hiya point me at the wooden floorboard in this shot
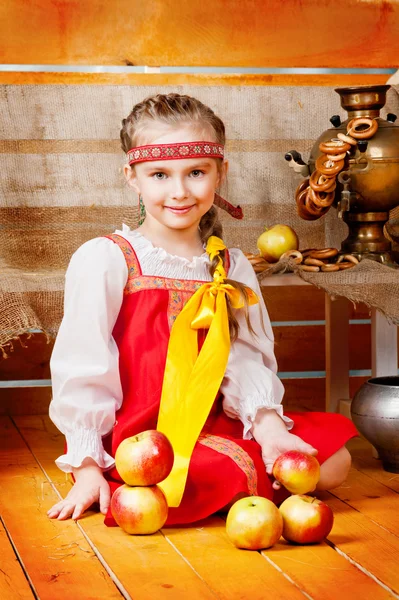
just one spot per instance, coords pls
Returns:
(372, 498)
(13, 582)
(56, 559)
(365, 542)
(359, 558)
(147, 566)
(364, 461)
(320, 571)
(209, 551)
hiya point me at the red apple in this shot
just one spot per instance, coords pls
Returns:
(145, 458)
(254, 523)
(139, 510)
(306, 520)
(297, 472)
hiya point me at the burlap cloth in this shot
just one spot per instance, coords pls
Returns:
(381, 283)
(62, 185)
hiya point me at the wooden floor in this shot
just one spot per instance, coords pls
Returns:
(47, 559)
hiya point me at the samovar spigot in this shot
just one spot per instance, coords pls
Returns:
(344, 203)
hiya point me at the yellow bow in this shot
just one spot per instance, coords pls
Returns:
(192, 380)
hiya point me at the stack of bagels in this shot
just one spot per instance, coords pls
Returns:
(315, 195)
(312, 260)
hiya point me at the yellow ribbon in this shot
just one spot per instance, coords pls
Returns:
(192, 379)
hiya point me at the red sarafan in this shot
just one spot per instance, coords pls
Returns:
(144, 459)
(297, 472)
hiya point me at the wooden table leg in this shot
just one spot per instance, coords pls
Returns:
(384, 348)
(337, 353)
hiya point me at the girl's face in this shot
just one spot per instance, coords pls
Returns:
(176, 193)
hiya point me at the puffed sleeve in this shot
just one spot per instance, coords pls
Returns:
(84, 364)
(251, 382)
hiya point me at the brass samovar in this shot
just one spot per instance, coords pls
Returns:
(367, 186)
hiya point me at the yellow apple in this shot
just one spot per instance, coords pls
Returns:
(139, 510)
(306, 520)
(254, 523)
(276, 240)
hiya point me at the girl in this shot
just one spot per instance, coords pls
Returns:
(164, 328)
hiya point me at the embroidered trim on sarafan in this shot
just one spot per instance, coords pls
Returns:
(237, 454)
(151, 282)
(177, 300)
(180, 290)
(133, 265)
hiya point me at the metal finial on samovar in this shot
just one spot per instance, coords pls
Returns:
(366, 187)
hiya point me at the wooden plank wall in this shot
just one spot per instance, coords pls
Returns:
(255, 33)
(297, 315)
(218, 33)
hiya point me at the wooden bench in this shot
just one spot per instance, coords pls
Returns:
(384, 345)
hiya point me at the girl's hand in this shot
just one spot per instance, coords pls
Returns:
(90, 487)
(277, 444)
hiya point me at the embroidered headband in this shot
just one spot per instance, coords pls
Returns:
(175, 151)
(183, 150)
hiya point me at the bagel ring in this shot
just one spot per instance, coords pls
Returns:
(334, 170)
(314, 261)
(257, 260)
(346, 265)
(346, 138)
(301, 208)
(320, 183)
(300, 198)
(329, 268)
(348, 258)
(334, 146)
(363, 134)
(294, 254)
(335, 157)
(302, 186)
(320, 201)
(311, 206)
(310, 268)
(305, 215)
(324, 253)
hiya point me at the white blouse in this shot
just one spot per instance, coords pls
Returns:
(85, 361)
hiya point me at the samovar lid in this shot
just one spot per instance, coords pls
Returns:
(363, 97)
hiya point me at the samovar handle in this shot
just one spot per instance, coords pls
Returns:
(296, 161)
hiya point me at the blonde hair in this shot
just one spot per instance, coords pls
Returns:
(176, 110)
